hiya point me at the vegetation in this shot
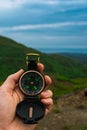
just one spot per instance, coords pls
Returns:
(68, 74)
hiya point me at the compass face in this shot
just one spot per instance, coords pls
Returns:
(31, 83)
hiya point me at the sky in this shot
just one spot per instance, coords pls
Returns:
(46, 25)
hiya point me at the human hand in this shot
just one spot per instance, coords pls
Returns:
(10, 96)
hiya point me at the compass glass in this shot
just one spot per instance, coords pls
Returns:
(31, 83)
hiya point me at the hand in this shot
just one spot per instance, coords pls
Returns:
(10, 96)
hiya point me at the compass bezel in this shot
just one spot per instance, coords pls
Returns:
(38, 91)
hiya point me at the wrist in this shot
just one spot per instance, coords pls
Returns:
(22, 127)
(18, 127)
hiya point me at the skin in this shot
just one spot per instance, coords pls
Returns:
(10, 96)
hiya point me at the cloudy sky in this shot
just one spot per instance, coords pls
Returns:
(48, 25)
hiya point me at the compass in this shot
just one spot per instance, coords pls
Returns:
(31, 84)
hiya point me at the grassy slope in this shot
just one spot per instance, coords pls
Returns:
(12, 56)
(68, 74)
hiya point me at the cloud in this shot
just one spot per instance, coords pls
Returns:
(8, 4)
(11, 4)
(38, 23)
(43, 26)
(75, 1)
(44, 41)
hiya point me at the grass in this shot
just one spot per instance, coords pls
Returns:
(76, 127)
(56, 111)
(68, 74)
(65, 86)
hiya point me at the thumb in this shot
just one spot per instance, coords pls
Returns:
(12, 80)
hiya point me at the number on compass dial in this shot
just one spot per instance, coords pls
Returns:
(32, 83)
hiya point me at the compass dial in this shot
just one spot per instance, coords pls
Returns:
(32, 83)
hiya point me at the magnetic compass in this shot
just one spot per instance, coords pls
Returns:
(31, 84)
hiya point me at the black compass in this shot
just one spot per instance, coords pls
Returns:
(31, 84)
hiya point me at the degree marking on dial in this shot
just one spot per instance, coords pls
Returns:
(35, 87)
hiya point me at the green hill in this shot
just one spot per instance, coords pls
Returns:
(68, 74)
(79, 56)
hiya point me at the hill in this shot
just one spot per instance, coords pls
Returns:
(68, 74)
(12, 56)
(69, 113)
(78, 56)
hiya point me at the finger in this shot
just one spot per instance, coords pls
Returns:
(48, 80)
(48, 103)
(19, 95)
(47, 99)
(46, 94)
(40, 67)
(11, 81)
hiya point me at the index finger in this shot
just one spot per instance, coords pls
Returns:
(40, 67)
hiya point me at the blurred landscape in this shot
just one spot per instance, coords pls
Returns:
(69, 74)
